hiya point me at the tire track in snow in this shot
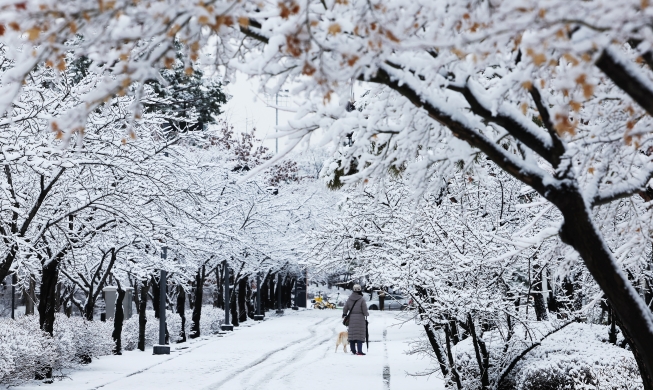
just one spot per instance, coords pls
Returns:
(262, 359)
(186, 350)
(386, 365)
(287, 365)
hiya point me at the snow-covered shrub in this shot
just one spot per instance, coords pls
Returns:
(577, 357)
(212, 318)
(79, 341)
(130, 331)
(210, 322)
(25, 350)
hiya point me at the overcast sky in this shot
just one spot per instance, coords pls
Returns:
(247, 109)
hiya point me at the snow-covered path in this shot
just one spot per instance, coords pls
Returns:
(288, 352)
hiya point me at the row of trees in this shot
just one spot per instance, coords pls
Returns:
(80, 213)
(481, 260)
(557, 94)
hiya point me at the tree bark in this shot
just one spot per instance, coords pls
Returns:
(155, 297)
(48, 303)
(234, 310)
(265, 291)
(197, 309)
(538, 298)
(272, 296)
(142, 318)
(435, 345)
(181, 310)
(242, 299)
(30, 296)
(482, 356)
(454, 372)
(117, 322)
(579, 231)
(135, 296)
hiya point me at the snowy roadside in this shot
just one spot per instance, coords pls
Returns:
(291, 351)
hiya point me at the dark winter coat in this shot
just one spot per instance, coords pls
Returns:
(357, 326)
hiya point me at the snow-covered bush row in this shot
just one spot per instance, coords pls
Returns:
(576, 357)
(210, 322)
(26, 351)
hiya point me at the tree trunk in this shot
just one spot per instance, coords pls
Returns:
(181, 310)
(234, 309)
(242, 299)
(142, 318)
(117, 322)
(579, 231)
(30, 296)
(454, 372)
(272, 297)
(155, 297)
(435, 345)
(220, 284)
(265, 291)
(48, 303)
(197, 309)
(538, 298)
(135, 297)
(482, 356)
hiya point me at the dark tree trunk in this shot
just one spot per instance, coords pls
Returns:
(234, 309)
(30, 296)
(220, 285)
(142, 318)
(251, 308)
(552, 302)
(538, 298)
(155, 297)
(453, 331)
(287, 292)
(117, 322)
(272, 296)
(482, 356)
(437, 349)
(135, 296)
(218, 289)
(48, 303)
(197, 309)
(57, 298)
(265, 298)
(579, 231)
(242, 299)
(181, 310)
(612, 334)
(454, 372)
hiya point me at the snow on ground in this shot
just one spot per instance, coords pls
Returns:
(287, 352)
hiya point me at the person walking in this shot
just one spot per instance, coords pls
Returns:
(356, 306)
(381, 299)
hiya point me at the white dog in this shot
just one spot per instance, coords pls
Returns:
(342, 339)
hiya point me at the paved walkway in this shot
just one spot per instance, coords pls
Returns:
(294, 351)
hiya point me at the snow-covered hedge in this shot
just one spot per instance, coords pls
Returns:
(209, 324)
(26, 351)
(577, 357)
